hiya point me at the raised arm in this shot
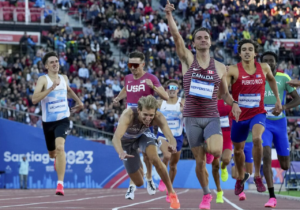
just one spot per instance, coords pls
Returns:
(184, 54)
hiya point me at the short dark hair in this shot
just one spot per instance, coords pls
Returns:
(172, 81)
(269, 53)
(245, 41)
(200, 29)
(48, 55)
(137, 54)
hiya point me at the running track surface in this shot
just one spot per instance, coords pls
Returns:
(104, 199)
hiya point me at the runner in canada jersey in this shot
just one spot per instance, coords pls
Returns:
(276, 126)
(203, 78)
(248, 79)
(138, 84)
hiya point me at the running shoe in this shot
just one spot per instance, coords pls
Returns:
(60, 190)
(224, 174)
(130, 192)
(239, 185)
(219, 198)
(174, 202)
(242, 196)
(205, 203)
(151, 187)
(168, 197)
(209, 158)
(271, 203)
(259, 184)
(161, 186)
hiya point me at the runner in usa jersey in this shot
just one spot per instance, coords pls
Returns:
(276, 126)
(203, 77)
(248, 79)
(138, 84)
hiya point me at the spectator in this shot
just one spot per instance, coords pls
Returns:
(83, 72)
(23, 172)
(87, 31)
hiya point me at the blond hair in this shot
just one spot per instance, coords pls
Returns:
(148, 102)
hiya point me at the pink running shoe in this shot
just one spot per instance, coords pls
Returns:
(209, 158)
(242, 196)
(259, 184)
(205, 203)
(161, 186)
(60, 190)
(168, 198)
(271, 203)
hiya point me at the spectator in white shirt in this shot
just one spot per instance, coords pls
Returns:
(109, 81)
(83, 72)
(90, 58)
(95, 46)
(122, 63)
(162, 26)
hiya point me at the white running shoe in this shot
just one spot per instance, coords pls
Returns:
(151, 187)
(130, 192)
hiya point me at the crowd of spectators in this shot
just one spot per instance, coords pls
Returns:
(96, 75)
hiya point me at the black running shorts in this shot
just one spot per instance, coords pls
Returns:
(55, 129)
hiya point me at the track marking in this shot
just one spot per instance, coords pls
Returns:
(125, 175)
(148, 201)
(232, 204)
(66, 201)
(109, 176)
(5, 199)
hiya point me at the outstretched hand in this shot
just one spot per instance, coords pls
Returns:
(169, 8)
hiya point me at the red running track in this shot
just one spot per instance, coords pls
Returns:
(113, 199)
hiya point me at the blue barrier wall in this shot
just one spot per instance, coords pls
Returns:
(89, 164)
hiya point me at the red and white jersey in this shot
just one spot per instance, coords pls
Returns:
(224, 110)
(249, 91)
(201, 87)
(137, 88)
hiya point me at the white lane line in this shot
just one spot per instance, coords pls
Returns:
(6, 199)
(66, 201)
(232, 204)
(119, 180)
(148, 201)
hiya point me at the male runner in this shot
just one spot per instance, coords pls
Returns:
(224, 111)
(133, 132)
(172, 110)
(138, 84)
(201, 82)
(276, 126)
(248, 80)
(52, 90)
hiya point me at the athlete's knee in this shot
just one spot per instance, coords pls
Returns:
(257, 141)
(226, 161)
(60, 148)
(201, 164)
(167, 157)
(154, 159)
(238, 152)
(173, 166)
(216, 167)
(216, 152)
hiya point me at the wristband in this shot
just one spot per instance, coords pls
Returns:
(235, 102)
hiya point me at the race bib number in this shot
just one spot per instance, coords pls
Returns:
(224, 122)
(269, 110)
(249, 100)
(173, 124)
(201, 89)
(131, 105)
(57, 106)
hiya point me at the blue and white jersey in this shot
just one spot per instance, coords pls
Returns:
(55, 104)
(173, 116)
